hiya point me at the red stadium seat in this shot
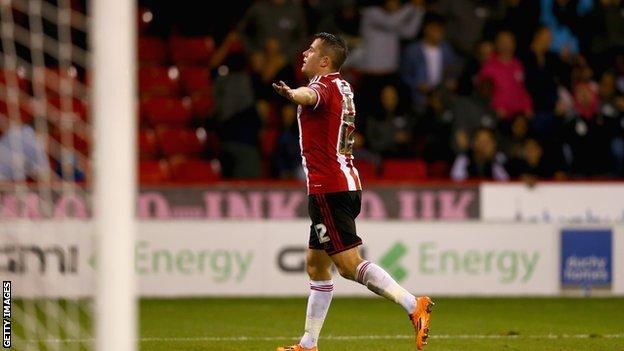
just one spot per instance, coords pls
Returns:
(404, 170)
(158, 80)
(154, 172)
(189, 50)
(195, 171)
(25, 113)
(79, 142)
(55, 77)
(203, 104)
(167, 111)
(366, 169)
(439, 170)
(152, 50)
(185, 141)
(268, 141)
(196, 79)
(148, 145)
(77, 108)
(12, 77)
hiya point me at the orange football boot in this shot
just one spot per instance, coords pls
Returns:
(295, 348)
(420, 320)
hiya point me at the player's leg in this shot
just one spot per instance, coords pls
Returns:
(339, 213)
(376, 279)
(318, 266)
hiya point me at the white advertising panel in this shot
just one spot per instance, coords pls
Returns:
(553, 202)
(228, 258)
(199, 258)
(618, 260)
(47, 258)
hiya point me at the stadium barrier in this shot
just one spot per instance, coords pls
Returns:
(256, 258)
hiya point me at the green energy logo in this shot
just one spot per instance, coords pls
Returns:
(218, 265)
(390, 261)
(508, 266)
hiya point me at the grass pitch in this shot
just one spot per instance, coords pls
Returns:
(378, 325)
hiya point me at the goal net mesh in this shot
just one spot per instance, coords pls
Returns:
(46, 234)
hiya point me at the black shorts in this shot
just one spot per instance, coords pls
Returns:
(333, 221)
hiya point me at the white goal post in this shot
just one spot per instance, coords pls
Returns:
(113, 106)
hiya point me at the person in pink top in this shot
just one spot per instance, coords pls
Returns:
(506, 73)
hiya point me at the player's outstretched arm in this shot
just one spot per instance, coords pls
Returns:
(300, 96)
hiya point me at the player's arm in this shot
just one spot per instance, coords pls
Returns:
(300, 96)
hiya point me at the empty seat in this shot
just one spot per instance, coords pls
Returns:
(72, 140)
(167, 111)
(9, 78)
(404, 170)
(158, 80)
(195, 171)
(196, 79)
(153, 172)
(439, 170)
(190, 50)
(74, 106)
(152, 50)
(23, 112)
(54, 78)
(148, 146)
(203, 104)
(186, 141)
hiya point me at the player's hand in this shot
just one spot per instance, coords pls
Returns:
(284, 90)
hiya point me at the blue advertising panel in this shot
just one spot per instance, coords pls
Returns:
(586, 257)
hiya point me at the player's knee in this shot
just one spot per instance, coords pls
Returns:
(346, 271)
(318, 273)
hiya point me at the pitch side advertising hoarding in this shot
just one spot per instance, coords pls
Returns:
(560, 203)
(268, 259)
(586, 258)
(199, 258)
(51, 258)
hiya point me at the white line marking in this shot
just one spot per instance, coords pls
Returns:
(345, 337)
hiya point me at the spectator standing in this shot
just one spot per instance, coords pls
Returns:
(389, 131)
(429, 64)
(237, 121)
(470, 113)
(466, 20)
(22, 154)
(520, 17)
(607, 23)
(468, 78)
(563, 17)
(612, 110)
(506, 73)
(543, 71)
(270, 65)
(283, 20)
(382, 28)
(587, 134)
(288, 157)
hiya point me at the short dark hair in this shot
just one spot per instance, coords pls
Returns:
(338, 50)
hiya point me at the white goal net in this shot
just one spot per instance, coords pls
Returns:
(67, 174)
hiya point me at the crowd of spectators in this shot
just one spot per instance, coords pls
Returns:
(509, 89)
